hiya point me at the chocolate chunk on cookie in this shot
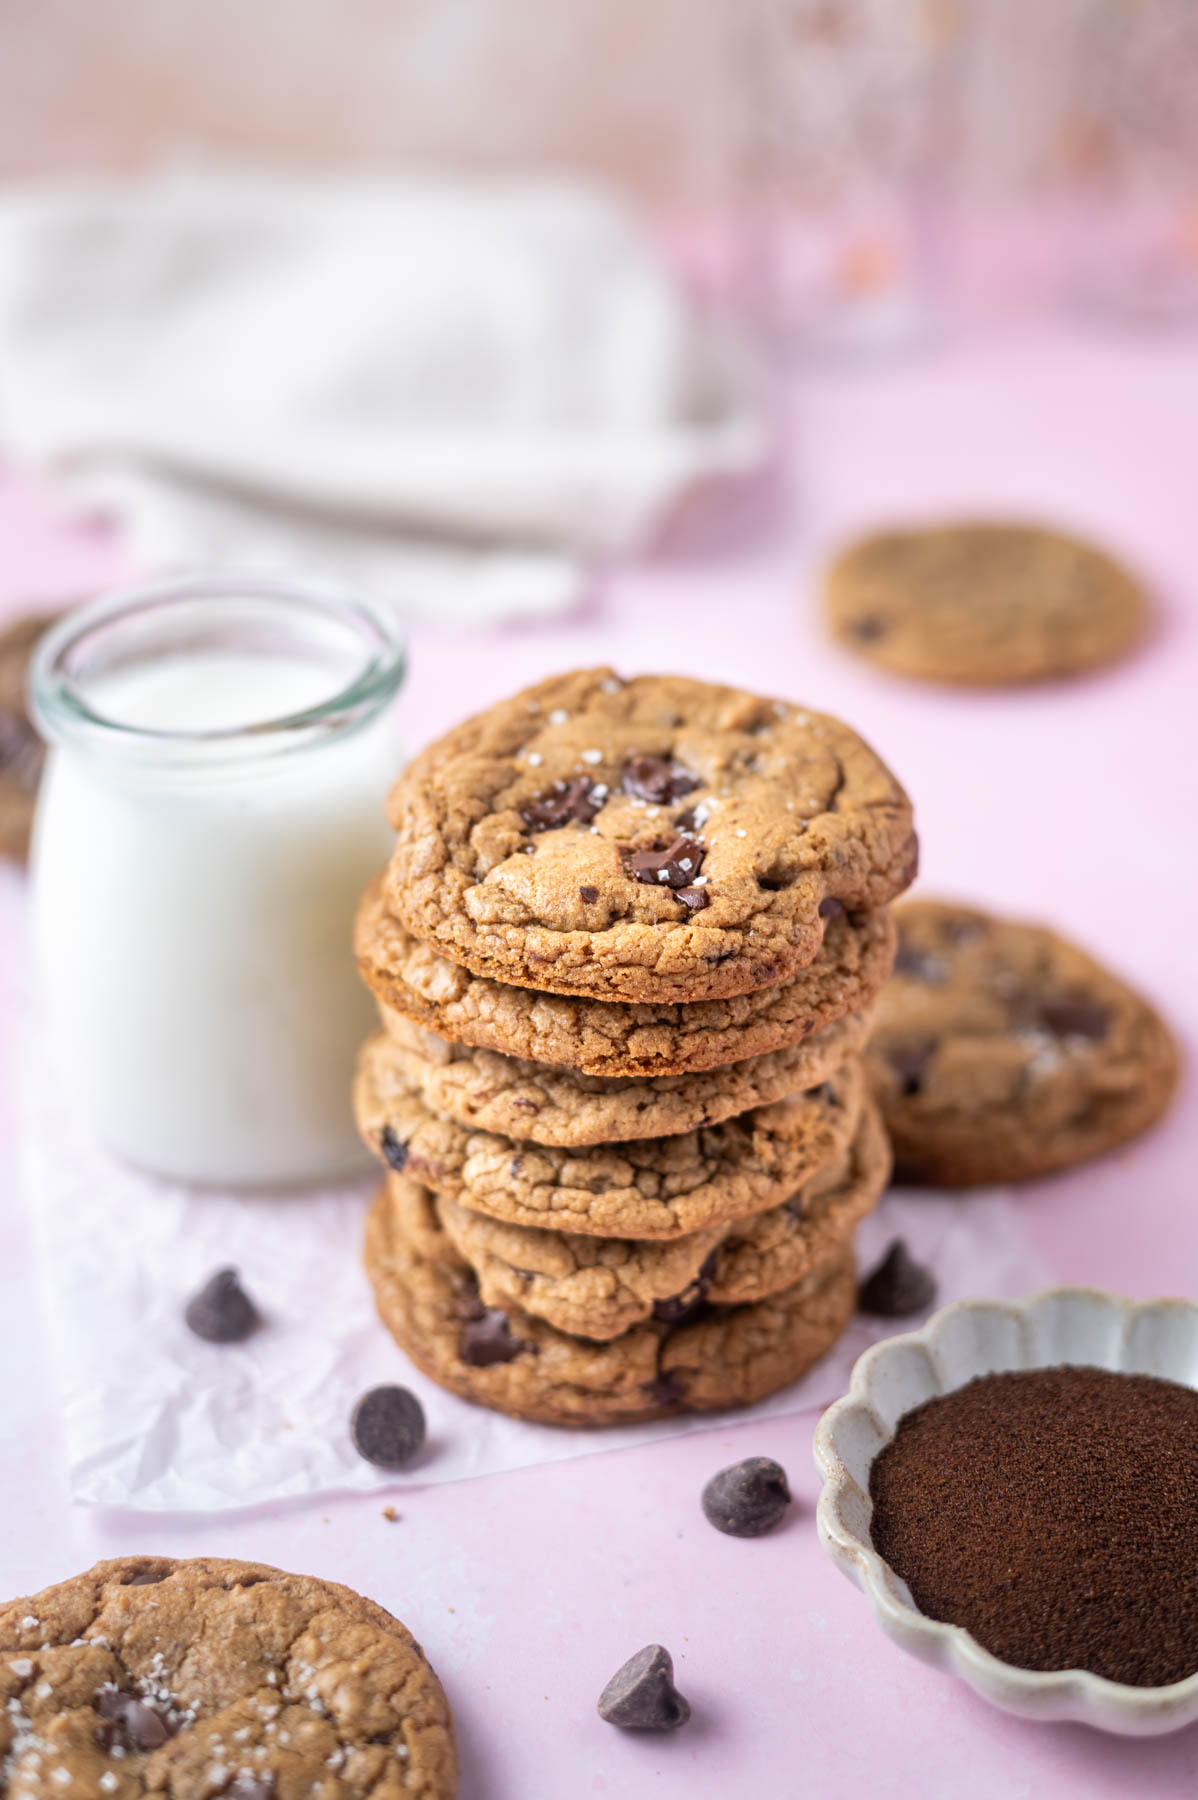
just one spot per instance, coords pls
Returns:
(983, 603)
(647, 1187)
(610, 1039)
(727, 1356)
(486, 1091)
(148, 1676)
(503, 823)
(598, 1287)
(1002, 1051)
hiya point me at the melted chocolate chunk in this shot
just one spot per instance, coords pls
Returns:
(831, 908)
(666, 1388)
(748, 1499)
(670, 865)
(657, 779)
(222, 1312)
(910, 1063)
(131, 1723)
(487, 1338)
(641, 1695)
(573, 802)
(691, 1301)
(395, 1153)
(920, 965)
(387, 1426)
(898, 1286)
(588, 895)
(693, 898)
(1074, 1015)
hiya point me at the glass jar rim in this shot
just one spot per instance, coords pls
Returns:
(65, 715)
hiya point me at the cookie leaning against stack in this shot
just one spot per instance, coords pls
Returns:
(625, 956)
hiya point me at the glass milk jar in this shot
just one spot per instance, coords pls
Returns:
(211, 811)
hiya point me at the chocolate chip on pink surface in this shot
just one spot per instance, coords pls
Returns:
(747, 1499)
(641, 1695)
(898, 1286)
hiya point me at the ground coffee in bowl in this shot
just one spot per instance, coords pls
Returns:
(1054, 1514)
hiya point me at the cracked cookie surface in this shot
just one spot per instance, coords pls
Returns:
(517, 1364)
(488, 1092)
(211, 1677)
(608, 1038)
(657, 839)
(1003, 1051)
(983, 603)
(599, 1287)
(647, 1187)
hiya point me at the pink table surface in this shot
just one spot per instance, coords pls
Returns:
(1076, 803)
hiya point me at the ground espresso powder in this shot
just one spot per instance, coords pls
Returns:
(1054, 1514)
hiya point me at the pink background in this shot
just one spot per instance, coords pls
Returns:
(1075, 803)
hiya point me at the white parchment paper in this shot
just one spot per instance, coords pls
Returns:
(157, 1420)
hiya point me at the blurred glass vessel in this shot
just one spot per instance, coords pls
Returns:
(1132, 143)
(211, 811)
(858, 108)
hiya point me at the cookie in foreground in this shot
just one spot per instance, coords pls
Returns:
(204, 1677)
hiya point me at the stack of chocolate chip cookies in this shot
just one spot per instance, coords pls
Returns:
(625, 955)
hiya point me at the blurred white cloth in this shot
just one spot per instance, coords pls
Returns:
(456, 393)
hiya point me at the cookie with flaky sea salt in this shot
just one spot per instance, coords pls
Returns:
(658, 839)
(215, 1678)
(597, 1287)
(983, 603)
(485, 1091)
(1003, 1051)
(506, 1359)
(606, 1038)
(646, 1187)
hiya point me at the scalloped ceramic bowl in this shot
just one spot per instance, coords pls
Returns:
(981, 1337)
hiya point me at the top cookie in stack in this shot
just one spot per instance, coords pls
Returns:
(625, 953)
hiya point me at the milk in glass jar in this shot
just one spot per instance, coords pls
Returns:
(211, 811)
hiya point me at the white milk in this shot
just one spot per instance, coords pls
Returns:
(193, 919)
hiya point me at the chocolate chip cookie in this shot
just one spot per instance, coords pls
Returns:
(209, 1677)
(608, 1039)
(658, 839)
(504, 1358)
(22, 753)
(1003, 1051)
(597, 1287)
(983, 604)
(485, 1091)
(647, 1187)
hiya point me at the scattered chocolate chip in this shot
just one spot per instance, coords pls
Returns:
(920, 965)
(588, 895)
(693, 898)
(671, 865)
(657, 779)
(488, 1339)
(145, 1578)
(387, 1426)
(831, 908)
(666, 1388)
(131, 1723)
(1073, 1015)
(910, 1063)
(573, 802)
(222, 1312)
(748, 1499)
(868, 629)
(395, 1152)
(898, 1286)
(641, 1696)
